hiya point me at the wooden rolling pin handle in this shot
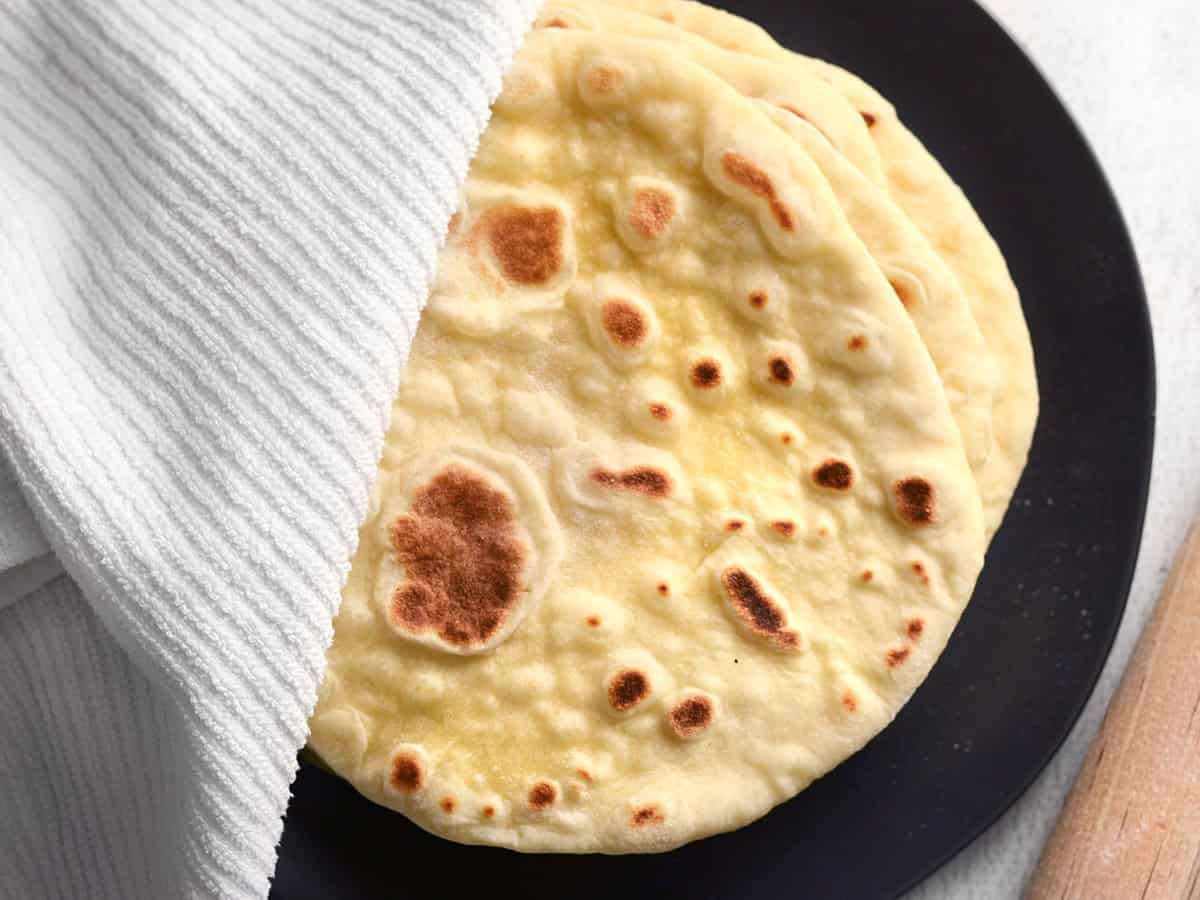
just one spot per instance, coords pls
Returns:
(1130, 829)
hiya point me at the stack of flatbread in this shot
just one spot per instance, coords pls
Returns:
(721, 391)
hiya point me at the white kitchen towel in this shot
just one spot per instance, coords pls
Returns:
(92, 782)
(20, 538)
(218, 221)
(26, 562)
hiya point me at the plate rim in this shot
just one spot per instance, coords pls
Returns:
(1148, 432)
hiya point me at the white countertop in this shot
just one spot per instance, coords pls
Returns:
(1130, 75)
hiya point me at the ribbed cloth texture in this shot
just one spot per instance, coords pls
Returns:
(218, 223)
(88, 760)
(20, 538)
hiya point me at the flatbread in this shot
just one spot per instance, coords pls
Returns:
(673, 514)
(929, 291)
(936, 205)
(795, 89)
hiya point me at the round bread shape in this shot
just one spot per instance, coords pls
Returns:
(572, 625)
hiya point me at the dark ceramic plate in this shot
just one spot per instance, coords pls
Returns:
(1029, 649)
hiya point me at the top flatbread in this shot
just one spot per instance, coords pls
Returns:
(673, 514)
(801, 106)
(920, 187)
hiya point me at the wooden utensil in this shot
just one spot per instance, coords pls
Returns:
(1131, 826)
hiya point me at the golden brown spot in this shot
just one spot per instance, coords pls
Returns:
(735, 525)
(660, 411)
(527, 241)
(785, 527)
(668, 18)
(822, 532)
(915, 501)
(627, 689)
(603, 80)
(645, 816)
(691, 715)
(488, 811)
(584, 774)
(919, 568)
(916, 627)
(786, 438)
(904, 293)
(448, 804)
(651, 211)
(455, 221)
(758, 299)
(869, 118)
(779, 370)
(463, 557)
(556, 23)
(857, 343)
(850, 701)
(594, 621)
(867, 575)
(742, 171)
(408, 775)
(834, 475)
(640, 479)
(542, 795)
(706, 374)
(625, 324)
(761, 613)
(663, 588)
(897, 656)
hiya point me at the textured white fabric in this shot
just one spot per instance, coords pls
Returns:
(21, 539)
(218, 221)
(26, 577)
(91, 760)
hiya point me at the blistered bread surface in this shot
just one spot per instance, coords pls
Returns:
(673, 514)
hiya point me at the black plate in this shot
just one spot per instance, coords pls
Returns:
(1029, 649)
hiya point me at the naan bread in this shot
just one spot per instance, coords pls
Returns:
(935, 301)
(795, 88)
(930, 198)
(673, 514)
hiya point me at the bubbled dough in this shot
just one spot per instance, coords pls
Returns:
(802, 94)
(937, 304)
(688, 663)
(490, 520)
(926, 194)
